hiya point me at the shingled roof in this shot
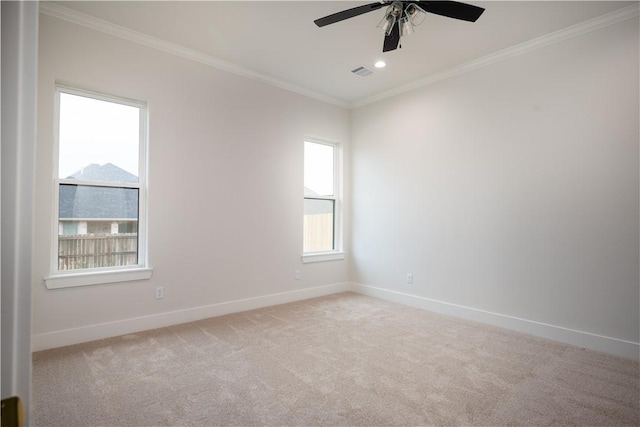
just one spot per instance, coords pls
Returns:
(98, 202)
(107, 173)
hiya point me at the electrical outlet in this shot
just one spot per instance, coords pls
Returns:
(410, 278)
(160, 292)
(297, 275)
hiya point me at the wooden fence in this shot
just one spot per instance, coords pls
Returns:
(318, 232)
(97, 250)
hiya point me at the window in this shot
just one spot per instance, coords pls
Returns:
(321, 201)
(100, 189)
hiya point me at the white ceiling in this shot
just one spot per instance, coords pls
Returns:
(280, 42)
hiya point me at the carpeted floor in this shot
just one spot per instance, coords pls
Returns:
(346, 359)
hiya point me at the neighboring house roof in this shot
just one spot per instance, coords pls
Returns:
(107, 172)
(97, 202)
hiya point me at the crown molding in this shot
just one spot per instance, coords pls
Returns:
(107, 27)
(88, 21)
(531, 45)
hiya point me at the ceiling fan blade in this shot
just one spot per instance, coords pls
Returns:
(349, 13)
(452, 9)
(392, 41)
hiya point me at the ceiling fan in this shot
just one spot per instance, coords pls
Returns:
(402, 16)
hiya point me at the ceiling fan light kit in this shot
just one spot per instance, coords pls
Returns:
(401, 17)
(406, 26)
(415, 14)
(387, 23)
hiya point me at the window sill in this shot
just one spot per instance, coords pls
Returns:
(96, 278)
(323, 256)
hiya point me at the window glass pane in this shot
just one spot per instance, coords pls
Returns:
(98, 140)
(128, 227)
(69, 227)
(318, 225)
(318, 169)
(96, 243)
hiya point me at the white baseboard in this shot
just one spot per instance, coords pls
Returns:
(622, 348)
(128, 326)
(627, 349)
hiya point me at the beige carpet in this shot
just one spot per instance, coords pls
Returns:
(345, 359)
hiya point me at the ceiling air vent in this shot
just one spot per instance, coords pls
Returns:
(362, 71)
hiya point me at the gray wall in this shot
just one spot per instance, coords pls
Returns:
(511, 189)
(225, 185)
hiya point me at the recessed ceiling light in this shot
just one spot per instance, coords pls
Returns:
(380, 64)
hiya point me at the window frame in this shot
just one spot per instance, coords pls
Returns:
(93, 276)
(337, 253)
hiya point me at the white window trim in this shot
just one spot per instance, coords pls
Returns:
(337, 253)
(141, 271)
(323, 256)
(98, 277)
